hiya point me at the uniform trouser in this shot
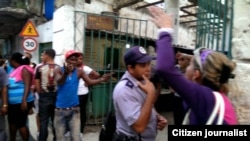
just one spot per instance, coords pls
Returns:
(3, 136)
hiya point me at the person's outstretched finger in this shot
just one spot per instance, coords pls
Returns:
(152, 12)
(144, 82)
(155, 11)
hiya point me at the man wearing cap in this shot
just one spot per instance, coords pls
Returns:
(67, 103)
(134, 97)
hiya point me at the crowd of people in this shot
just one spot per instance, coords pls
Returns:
(62, 91)
(46, 87)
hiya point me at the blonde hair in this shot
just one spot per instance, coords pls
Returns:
(217, 70)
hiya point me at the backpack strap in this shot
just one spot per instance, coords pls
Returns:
(186, 120)
(219, 108)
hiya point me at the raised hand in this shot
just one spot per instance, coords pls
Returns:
(68, 68)
(107, 76)
(161, 122)
(160, 18)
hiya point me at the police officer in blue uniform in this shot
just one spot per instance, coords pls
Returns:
(134, 97)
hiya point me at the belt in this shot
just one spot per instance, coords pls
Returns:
(68, 108)
(123, 137)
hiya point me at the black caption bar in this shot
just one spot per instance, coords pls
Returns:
(208, 132)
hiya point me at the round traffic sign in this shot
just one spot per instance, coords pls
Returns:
(29, 44)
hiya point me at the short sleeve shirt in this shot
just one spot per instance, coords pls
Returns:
(3, 78)
(128, 100)
(82, 88)
(46, 74)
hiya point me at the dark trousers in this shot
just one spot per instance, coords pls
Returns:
(178, 110)
(46, 114)
(83, 100)
(3, 136)
(122, 137)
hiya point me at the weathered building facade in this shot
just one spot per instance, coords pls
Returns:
(67, 31)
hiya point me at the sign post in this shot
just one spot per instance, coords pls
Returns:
(29, 44)
(29, 30)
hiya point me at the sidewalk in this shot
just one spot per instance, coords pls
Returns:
(92, 131)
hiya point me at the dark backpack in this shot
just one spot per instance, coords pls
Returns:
(108, 128)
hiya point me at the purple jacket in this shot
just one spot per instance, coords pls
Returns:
(198, 97)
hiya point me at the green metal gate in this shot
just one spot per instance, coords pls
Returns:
(103, 38)
(214, 25)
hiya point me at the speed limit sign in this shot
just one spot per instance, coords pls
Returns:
(29, 44)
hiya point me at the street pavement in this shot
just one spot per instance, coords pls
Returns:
(92, 131)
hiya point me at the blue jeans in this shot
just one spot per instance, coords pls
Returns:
(67, 117)
(46, 114)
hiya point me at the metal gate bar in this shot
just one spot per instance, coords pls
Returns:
(103, 51)
(214, 25)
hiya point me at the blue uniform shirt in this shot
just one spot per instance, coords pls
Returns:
(128, 100)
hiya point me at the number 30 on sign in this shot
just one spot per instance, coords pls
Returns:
(29, 44)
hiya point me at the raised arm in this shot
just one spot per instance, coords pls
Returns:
(90, 81)
(61, 76)
(189, 90)
(94, 74)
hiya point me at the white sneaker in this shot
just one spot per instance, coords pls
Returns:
(67, 134)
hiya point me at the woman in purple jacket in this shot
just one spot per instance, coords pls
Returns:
(207, 73)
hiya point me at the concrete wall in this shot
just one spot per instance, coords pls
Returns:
(186, 37)
(65, 37)
(241, 55)
(63, 31)
(45, 32)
